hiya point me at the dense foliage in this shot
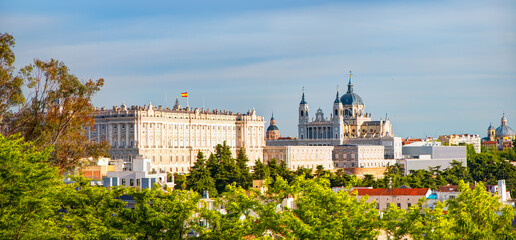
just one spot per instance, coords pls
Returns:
(36, 204)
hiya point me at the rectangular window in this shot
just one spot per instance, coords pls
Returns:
(399, 205)
(138, 182)
(123, 181)
(131, 182)
(409, 205)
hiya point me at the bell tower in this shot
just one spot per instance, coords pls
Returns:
(303, 117)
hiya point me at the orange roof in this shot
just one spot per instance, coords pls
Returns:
(395, 191)
(489, 142)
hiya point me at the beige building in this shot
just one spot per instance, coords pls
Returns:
(402, 197)
(359, 156)
(456, 139)
(300, 156)
(171, 138)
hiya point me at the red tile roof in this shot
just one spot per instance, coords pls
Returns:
(395, 191)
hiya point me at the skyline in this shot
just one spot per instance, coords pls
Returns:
(434, 68)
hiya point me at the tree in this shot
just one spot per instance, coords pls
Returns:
(27, 189)
(91, 212)
(478, 215)
(200, 179)
(245, 179)
(324, 214)
(261, 171)
(10, 85)
(57, 112)
(157, 215)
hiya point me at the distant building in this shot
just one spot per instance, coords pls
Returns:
(171, 138)
(348, 120)
(143, 175)
(402, 197)
(502, 134)
(456, 139)
(273, 130)
(448, 192)
(300, 156)
(420, 156)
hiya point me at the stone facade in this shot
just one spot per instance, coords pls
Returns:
(359, 156)
(300, 156)
(171, 138)
(456, 139)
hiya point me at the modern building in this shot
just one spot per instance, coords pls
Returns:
(143, 175)
(300, 156)
(457, 139)
(422, 155)
(359, 156)
(171, 138)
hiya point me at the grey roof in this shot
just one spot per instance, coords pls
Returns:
(504, 131)
(491, 126)
(351, 98)
(272, 128)
(337, 98)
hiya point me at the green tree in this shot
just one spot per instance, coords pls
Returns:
(157, 215)
(324, 214)
(231, 217)
(245, 179)
(261, 171)
(28, 185)
(91, 212)
(200, 178)
(478, 215)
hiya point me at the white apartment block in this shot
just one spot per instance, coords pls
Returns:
(456, 139)
(300, 156)
(171, 138)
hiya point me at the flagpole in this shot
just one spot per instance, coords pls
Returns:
(187, 105)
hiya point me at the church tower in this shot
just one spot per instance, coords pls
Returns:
(303, 117)
(491, 132)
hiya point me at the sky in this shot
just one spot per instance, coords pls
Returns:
(435, 67)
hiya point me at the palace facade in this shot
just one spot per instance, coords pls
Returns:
(171, 138)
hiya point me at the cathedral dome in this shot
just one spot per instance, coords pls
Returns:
(351, 98)
(504, 131)
(272, 128)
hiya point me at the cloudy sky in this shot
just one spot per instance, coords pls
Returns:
(435, 67)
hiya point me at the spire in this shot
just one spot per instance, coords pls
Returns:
(303, 98)
(350, 85)
(177, 106)
(337, 97)
(504, 120)
(273, 121)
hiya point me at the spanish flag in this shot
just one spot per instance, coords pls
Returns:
(185, 94)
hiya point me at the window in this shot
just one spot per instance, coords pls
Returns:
(138, 182)
(398, 204)
(131, 182)
(123, 181)
(409, 204)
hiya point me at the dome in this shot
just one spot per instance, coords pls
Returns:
(272, 128)
(351, 98)
(504, 131)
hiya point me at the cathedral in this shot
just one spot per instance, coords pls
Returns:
(348, 120)
(502, 133)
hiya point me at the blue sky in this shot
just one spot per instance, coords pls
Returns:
(435, 67)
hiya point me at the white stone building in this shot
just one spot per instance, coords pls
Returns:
(359, 156)
(456, 139)
(171, 138)
(300, 156)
